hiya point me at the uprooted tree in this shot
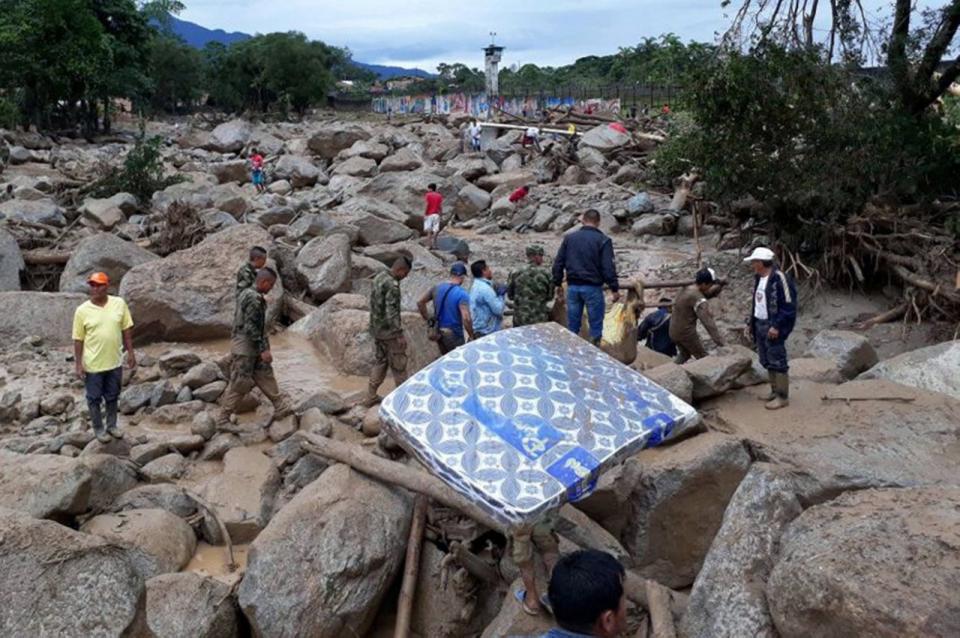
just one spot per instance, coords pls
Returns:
(851, 172)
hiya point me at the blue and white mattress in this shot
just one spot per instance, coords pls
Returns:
(526, 419)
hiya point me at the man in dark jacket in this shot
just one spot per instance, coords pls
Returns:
(586, 257)
(771, 321)
(655, 328)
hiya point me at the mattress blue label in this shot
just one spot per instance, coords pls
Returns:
(577, 471)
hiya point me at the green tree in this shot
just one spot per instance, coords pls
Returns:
(176, 74)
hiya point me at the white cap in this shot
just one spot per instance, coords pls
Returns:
(761, 254)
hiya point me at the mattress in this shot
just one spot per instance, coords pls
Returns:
(526, 419)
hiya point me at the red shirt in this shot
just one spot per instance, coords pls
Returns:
(518, 194)
(257, 161)
(434, 203)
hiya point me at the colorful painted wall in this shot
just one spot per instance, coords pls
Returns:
(479, 106)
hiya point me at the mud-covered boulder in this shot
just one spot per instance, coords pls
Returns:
(605, 138)
(933, 368)
(471, 201)
(11, 262)
(60, 582)
(44, 485)
(190, 294)
(102, 252)
(165, 541)
(233, 171)
(187, 605)
(716, 374)
(244, 493)
(323, 266)
(298, 170)
(878, 563)
(40, 211)
(403, 160)
(356, 167)
(48, 315)
(673, 378)
(349, 572)
(230, 137)
(852, 352)
(406, 191)
(330, 140)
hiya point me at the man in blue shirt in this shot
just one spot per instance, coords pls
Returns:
(451, 309)
(586, 593)
(586, 257)
(655, 328)
(486, 302)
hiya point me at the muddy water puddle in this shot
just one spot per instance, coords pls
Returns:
(213, 561)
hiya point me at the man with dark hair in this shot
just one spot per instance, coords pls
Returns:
(531, 290)
(451, 309)
(486, 302)
(251, 360)
(386, 328)
(691, 306)
(247, 274)
(771, 321)
(586, 257)
(432, 214)
(586, 593)
(655, 328)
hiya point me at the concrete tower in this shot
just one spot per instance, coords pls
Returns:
(491, 59)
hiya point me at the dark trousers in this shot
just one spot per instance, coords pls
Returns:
(773, 353)
(103, 387)
(449, 341)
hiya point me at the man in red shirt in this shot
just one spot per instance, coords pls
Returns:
(517, 196)
(431, 216)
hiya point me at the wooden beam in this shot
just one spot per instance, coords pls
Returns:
(411, 569)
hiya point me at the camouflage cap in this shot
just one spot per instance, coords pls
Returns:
(534, 249)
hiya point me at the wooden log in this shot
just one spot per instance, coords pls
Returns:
(635, 588)
(473, 563)
(397, 474)
(411, 569)
(682, 193)
(44, 257)
(885, 317)
(661, 616)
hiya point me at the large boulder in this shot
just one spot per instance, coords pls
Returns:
(60, 582)
(330, 140)
(728, 600)
(933, 369)
(363, 148)
(107, 213)
(349, 572)
(471, 201)
(298, 170)
(403, 160)
(102, 252)
(852, 352)
(673, 378)
(190, 295)
(509, 180)
(323, 266)
(244, 493)
(678, 503)
(604, 138)
(234, 171)
(716, 374)
(187, 605)
(48, 315)
(11, 262)
(40, 211)
(167, 543)
(44, 485)
(230, 137)
(376, 230)
(878, 563)
(662, 224)
(406, 191)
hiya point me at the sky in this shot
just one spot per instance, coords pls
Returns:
(423, 33)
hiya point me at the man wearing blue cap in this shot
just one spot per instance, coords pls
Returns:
(451, 310)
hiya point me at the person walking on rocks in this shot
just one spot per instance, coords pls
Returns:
(586, 257)
(451, 310)
(432, 214)
(771, 321)
(690, 307)
(247, 275)
(251, 362)
(531, 290)
(486, 301)
(476, 131)
(386, 329)
(100, 325)
(256, 166)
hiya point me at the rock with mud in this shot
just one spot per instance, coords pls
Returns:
(852, 352)
(818, 370)
(878, 563)
(51, 574)
(323, 266)
(678, 504)
(11, 262)
(189, 605)
(165, 541)
(605, 138)
(201, 305)
(234, 171)
(715, 374)
(356, 167)
(244, 492)
(330, 140)
(230, 137)
(513, 621)
(728, 599)
(43, 211)
(350, 573)
(167, 468)
(106, 213)
(102, 252)
(933, 368)
(299, 171)
(44, 486)
(403, 160)
(673, 378)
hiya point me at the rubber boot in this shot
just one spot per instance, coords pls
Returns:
(770, 396)
(782, 387)
(96, 420)
(112, 429)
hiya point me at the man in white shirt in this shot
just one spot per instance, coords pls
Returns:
(475, 132)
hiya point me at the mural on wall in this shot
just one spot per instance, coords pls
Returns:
(478, 105)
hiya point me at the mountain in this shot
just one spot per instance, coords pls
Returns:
(198, 36)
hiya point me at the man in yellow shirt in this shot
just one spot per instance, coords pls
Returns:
(99, 326)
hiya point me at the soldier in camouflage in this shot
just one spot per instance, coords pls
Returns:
(250, 348)
(247, 275)
(531, 290)
(387, 329)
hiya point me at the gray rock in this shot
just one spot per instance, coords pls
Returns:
(715, 374)
(107, 213)
(350, 572)
(204, 425)
(42, 598)
(165, 469)
(368, 149)
(323, 266)
(640, 204)
(230, 137)
(43, 211)
(678, 504)
(167, 543)
(44, 486)
(375, 230)
(56, 404)
(299, 171)
(819, 370)
(244, 493)
(604, 138)
(674, 379)
(304, 472)
(315, 421)
(357, 167)
(219, 445)
(878, 563)
(188, 605)
(234, 171)
(852, 352)
(11, 262)
(510, 180)
(471, 201)
(933, 368)
(282, 429)
(102, 252)
(210, 392)
(330, 140)
(403, 160)
(163, 394)
(662, 224)
(276, 215)
(199, 375)
(134, 397)
(728, 599)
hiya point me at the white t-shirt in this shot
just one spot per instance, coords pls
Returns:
(760, 301)
(475, 131)
(533, 132)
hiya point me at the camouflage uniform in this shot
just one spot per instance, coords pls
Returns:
(387, 332)
(249, 341)
(246, 277)
(531, 290)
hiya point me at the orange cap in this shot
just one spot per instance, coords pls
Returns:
(99, 278)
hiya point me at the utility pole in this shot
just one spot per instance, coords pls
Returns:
(491, 59)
